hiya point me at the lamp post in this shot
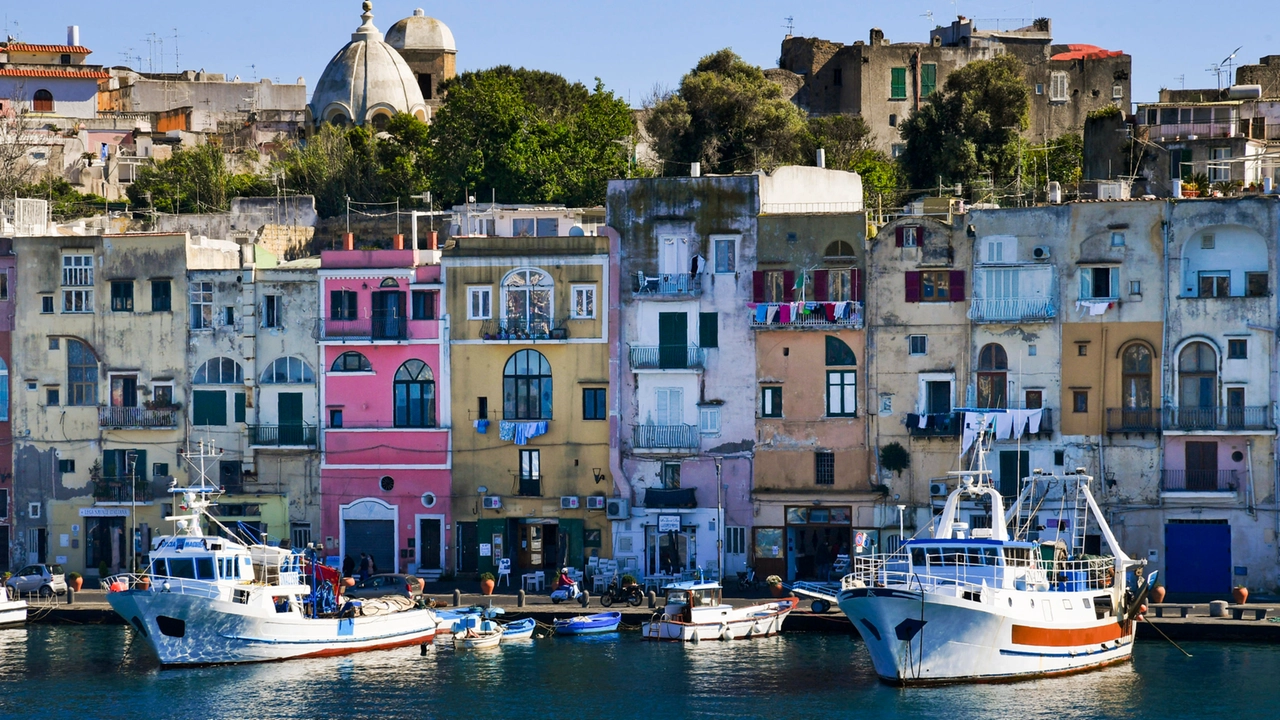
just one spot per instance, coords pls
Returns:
(719, 520)
(901, 530)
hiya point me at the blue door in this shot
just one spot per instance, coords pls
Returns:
(1198, 558)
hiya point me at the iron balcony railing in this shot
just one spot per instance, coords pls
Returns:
(667, 284)
(1175, 131)
(937, 425)
(524, 329)
(1020, 293)
(1193, 419)
(122, 490)
(111, 416)
(812, 320)
(667, 357)
(282, 435)
(370, 328)
(992, 310)
(527, 485)
(1133, 419)
(1199, 480)
(665, 437)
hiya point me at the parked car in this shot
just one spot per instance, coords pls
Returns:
(386, 584)
(45, 580)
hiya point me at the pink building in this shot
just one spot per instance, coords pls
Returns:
(385, 472)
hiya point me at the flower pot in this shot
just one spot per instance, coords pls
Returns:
(1190, 193)
(777, 590)
(1240, 595)
(1157, 594)
(76, 583)
(486, 587)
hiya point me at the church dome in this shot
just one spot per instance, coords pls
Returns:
(366, 82)
(420, 32)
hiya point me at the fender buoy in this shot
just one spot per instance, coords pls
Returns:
(724, 632)
(118, 586)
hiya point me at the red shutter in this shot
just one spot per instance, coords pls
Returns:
(899, 233)
(788, 285)
(913, 286)
(855, 285)
(757, 287)
(957, 285)
(820, 285)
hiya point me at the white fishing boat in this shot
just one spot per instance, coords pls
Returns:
(475, 633)
(211, 600)
(993, 603)
(13, 610)
(694, 611)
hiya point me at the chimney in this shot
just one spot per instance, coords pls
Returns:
(695, 169)
(73, 35)
(432, 243)
(348, 241)
(877, 37)
(822, 157)
(397, 241)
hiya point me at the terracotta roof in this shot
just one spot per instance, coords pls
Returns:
(26, 47)
(87, 75)
(1086, 52)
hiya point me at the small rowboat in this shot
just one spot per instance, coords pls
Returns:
(473, 634)
(519, 629)
(589, 624)
(447, 618)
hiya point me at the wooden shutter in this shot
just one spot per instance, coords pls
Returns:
(788, 285)
(757, 286)
(820, 285)
(709, 329)
(913, 286)
(957, 285)
(855, 285)
(900, 236)
(240, 404)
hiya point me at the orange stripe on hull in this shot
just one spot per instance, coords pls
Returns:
(417, 640)
(1055, 637)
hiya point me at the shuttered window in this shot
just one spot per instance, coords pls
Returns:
(928, 79)
(709, 330)
(208, 407)
(898, 83)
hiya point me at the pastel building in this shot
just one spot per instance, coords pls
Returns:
(385, 448)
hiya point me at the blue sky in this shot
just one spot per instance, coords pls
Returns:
(632, 46)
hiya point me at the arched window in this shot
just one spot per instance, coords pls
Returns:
(839, 248)
(415, 395)
(526, 387)
(526, 302)
(1135, 364)
(351, 362)
(4, 392)
(389, 283)
(339, 119)
(287, 371)
(42, 101)
(380, 121)
(219, 371)
(82, 374)
(842, 383)
(993, 376)
(1197, 383)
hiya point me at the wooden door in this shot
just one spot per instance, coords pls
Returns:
(530, 553)
(673, 340)
(1202, 466)
(468, 547)
(289, 418)
(1014, 465)
(429, 544)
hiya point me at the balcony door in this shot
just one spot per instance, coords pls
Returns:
(1197, 385)
(124, 391)
(1202, 466)
(289, 412)
(673, 256)
(937, 397)
(388, 314)
(993, 377)
(668, 406)
(673, 340)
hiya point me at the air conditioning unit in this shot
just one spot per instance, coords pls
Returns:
(618, 509)
(568, 502)
(1040, 252)
(492, 502)
(937, 489)
(595, 502)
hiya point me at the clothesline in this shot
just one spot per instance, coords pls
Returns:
(784, 313)
(1008, 423)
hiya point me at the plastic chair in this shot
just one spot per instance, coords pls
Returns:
(540, 579)
(504, 571)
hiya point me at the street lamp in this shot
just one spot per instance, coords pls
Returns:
(901, 531)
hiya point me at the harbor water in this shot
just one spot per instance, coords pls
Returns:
(101, 671)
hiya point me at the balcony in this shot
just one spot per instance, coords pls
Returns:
(829, 316)
(672, 357)
(1217, 419)
(381, 329)
(1006, 294)
(1188, 131)
(111, 417)
(282, 435)
(121, 490)
(1199, 480)
(665, 437)
(522, 330)
(937, 425)
(1133, 420)
(667, 285)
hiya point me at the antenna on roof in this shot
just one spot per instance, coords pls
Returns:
(927, 14)
(791, 25)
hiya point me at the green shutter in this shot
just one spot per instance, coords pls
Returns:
(709, 330)
(928, 79)
(209, 407)
(240, 407)
(898, 84)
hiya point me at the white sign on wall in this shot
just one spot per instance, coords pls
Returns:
(486, 550)
(668, 523)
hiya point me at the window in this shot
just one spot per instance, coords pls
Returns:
(161, 296)
(548, 227)
(709, 330)
(897, 149)
(300, 534)
(1255, 284)
(1135, 368)
(271, 311)
(735, 540)
(208, 408)
(1135, 287)
(4, 503)
(726, 252)
(775, 289)
(709, 420)
(824, 468)
(82, 374)
(993, 370)
(4, 392)
(1179, 163)
(343, 304)
(1237, 349)
(838, 249)
(839, 285)
(66, 466)
(46, 304)
(1219, 171)
(42, 101)
(842, 396)
(526, 301)
(424, 305)
(935, 286)
(522, 227)
(228, 316)
(1117, 92)
(837, 77)
(1197, 378)
(52, 397)
(480, 303)
(584, 301)
(1039, 88)
(593, 404)
(1215, 283)
(771, 401)
(1099, 283)
(219, 371)
(162, 395)
(415, 395)
(1208, 241)
(530, 473)
(668, 407)
(241, 403)
(1082, 349)
(4, 285)
(928, 79)
(526, 387)
(159, 469)
(898, 83)
(351, 362)
(1117, 239)
(335, 417)
(671, 476)
(201, 294)
(1058, 87)
(287, 371)
(1080, 401)
(1034, 399)
(918, 344)
(907, 236)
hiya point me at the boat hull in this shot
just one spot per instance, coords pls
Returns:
(13, 613)
(519, 630)
(740, 624)
(191, 630)
(591, 625)
(939, 638)
(476, 642)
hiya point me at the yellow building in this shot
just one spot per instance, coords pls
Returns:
(529, 368)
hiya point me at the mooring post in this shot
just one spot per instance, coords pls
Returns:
(457, 597)
(520, 598)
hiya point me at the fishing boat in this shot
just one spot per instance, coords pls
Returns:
(694, 611)
(210, 599)
(605, 622)
(519, 629)
(1007, 601)
(474, 633)
(13, 610)
(445, 619)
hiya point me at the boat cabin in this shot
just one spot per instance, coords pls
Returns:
(215, 567)
(999, 564)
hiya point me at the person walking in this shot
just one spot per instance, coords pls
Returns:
(366, 566)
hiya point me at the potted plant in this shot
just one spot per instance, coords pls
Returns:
(75, 581)
(1157, 594)
(1240, 594)
(775, 585)
(144, 582)
(103, 570)
(486, 583)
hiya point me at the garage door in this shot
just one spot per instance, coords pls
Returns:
(375, 537)
(1198, 557)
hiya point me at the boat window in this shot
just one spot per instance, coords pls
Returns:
(953, 556)
(282, 604)
(677, 597)
(204, 568)
(240, 596)
(1085, 602)
(917, 557)
(182, 568)
(158, 569)
(935, 555)
(989, 556)
(1066, 604)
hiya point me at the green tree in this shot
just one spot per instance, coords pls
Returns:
(194, 180)
(971, 128)
(728, 116)
(527, 136)
(1061, 159)
(850, 145)
(65, 202)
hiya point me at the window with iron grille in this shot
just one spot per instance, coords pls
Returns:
(824, 468)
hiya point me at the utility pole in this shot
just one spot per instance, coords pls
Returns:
(720, 519)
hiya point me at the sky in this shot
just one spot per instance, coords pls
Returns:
(634, 47)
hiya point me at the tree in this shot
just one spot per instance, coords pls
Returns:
(194, 180)
(1061, 159)
(17, 136)
(728, 116)
(527, 136)
(850, 145)
(65, 202)
(970, 129)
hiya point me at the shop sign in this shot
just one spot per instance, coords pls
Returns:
(668, 523)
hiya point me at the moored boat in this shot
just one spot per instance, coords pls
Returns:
(694, 611)
(13, 610)
(519, 629)
(474, 633)
(605, 622)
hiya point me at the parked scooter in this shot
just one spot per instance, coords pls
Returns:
(630, 594)
(747, 580)
(569, 590)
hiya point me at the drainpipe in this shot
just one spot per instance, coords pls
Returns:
(915, 62)
(620, 485)
(1164, 340)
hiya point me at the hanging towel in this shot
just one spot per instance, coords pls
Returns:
(924, 422)
(913, 419)
(773, 314)
(762, 313)
(526, 431)
(1033, 421)
(1004, 425)
(830, 309)
(1018, 421)
(482, 426)
(972, 424)
(786, 314)
(506, 430)
(1098, 308)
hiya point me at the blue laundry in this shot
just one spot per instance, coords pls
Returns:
(506, 430)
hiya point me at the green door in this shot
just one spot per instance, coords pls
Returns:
(289, 409)
(673, 340)
(570, 544)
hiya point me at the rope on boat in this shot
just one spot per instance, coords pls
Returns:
(1166, 637)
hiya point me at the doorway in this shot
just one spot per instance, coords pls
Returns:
(4, 548)
(671, 552)
(938, 397)
(289, 417)
(1014, 465)
(468, 543)
(1198, 556)
(673, 340)
(430, 530)
(1202, 466)
(388, 315)
(105, 543)
(377, 538)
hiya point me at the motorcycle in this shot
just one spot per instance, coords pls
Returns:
(570, 592)
(747, 580)
(630, 594)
